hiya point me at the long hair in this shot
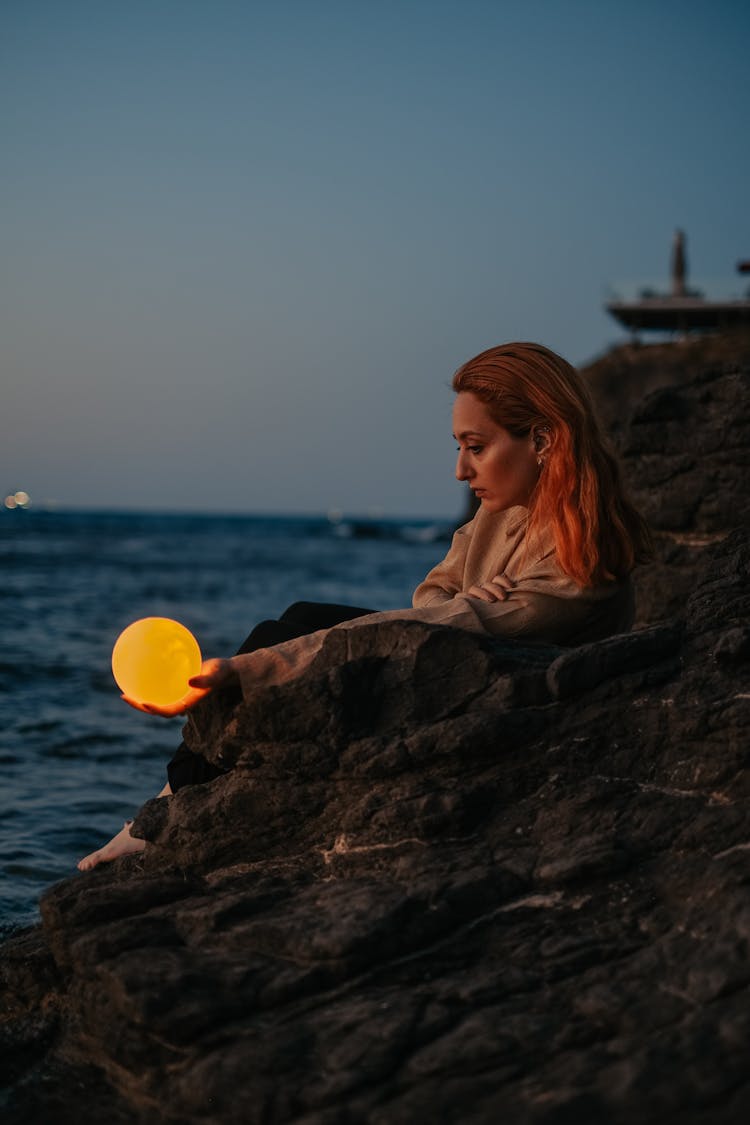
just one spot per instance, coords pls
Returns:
(599, 536)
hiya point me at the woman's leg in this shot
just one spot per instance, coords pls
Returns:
(319, 615)
(121, 844)
(187, 768)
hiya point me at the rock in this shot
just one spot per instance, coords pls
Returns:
(446, 878)
(733, 646)
(450, 880)
(626, 375)
(680, 418)
(578, 670)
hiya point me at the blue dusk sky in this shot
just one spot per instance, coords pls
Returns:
(246, 244)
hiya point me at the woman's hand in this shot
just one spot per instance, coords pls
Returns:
(213, 674)
(496, 590)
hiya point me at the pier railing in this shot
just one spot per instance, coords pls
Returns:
(715, 289)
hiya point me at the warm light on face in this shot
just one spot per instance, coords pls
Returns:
(153, 659)
(501, 469)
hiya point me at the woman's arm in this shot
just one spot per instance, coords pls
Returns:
(446, 579)
(551, 611)
(509, 613)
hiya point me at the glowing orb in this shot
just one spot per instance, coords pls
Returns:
(153, 659)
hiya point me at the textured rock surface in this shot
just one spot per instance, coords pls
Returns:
(623, 377)
(447, 880)
(680, 417)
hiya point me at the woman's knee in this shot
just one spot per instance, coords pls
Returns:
(299, 611)
(265, 634)
(320, 615)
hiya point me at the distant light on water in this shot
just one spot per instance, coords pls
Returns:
(18, 499)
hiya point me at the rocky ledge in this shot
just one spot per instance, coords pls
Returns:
(446, 879)
(680, 418)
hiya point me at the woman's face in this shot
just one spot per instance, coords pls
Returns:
(501, 469)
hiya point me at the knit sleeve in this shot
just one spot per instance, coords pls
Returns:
(446, 579)
(535, 611)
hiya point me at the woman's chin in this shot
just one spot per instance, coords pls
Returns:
(496, 505)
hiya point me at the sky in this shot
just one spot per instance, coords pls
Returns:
(244, 245)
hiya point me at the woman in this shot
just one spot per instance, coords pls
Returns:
(547, 557)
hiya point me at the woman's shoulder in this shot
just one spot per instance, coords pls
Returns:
(490, 525)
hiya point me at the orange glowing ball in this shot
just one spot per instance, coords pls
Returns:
(153, 659)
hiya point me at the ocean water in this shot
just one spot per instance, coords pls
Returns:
(76, 761)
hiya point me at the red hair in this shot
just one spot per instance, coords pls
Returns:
(599, 536)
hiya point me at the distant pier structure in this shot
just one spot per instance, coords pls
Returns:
(683, 309)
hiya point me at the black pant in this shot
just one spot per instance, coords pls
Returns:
(187, 768)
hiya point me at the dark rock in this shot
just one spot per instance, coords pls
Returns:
(680, 418)
(691, 442)
(446, 879)
(580, 669)
(625, 376)
(733, 646)
(408, 902)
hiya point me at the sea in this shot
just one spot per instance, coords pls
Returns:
(76, 761)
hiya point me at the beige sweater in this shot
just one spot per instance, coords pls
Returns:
(545, 605)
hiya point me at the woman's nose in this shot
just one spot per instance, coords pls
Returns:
(463, 471)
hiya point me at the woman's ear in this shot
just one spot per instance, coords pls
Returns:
(543, 439)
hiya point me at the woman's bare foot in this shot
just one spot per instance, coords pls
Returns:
(121, 844)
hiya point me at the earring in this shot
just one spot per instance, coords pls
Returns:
(540, 462)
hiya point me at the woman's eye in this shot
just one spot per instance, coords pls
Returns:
(475, 448)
